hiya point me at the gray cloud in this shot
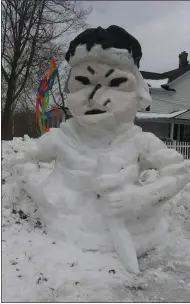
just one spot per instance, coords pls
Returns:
(162, 28)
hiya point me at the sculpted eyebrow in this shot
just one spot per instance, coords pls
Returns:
(109, 72)
(90, 70)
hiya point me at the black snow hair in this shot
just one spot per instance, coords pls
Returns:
(112, 37)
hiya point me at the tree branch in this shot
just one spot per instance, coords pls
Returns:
(31, 54)
(5, 73)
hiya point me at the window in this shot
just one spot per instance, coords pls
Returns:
(186, 133)
(60, 119)
(54, 122)
(45, 122)
(175, 132)
(50, 122)
(178, 132)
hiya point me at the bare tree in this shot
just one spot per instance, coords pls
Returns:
(32, 30)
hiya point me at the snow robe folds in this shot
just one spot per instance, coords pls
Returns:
(111, 191)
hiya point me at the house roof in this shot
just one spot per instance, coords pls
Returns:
(148, 115)
(185, 115)
(171, 75)
(157, 84)
(151, 75)
(179, 117)
(174, 74)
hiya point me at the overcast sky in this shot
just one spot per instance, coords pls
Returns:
(162, 28)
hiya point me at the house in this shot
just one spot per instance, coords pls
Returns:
(169, 126)
(168, 117)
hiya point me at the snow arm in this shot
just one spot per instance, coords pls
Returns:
(173, 177)
(41, 150)
(173, 171)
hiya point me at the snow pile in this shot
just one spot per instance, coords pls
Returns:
(40, 266)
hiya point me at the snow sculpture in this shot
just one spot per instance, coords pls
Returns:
(104, 164)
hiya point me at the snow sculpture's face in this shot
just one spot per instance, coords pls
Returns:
(98, 91)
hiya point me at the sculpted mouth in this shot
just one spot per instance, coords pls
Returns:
(94, 111)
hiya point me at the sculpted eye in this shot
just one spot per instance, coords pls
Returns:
(83, 80)
(117, 81)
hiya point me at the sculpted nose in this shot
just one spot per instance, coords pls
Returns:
(97, 87)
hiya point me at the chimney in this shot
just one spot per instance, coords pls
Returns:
(183, 59)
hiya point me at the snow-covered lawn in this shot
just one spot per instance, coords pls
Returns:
(39, 268)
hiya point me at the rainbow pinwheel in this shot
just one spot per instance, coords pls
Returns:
(42, 98)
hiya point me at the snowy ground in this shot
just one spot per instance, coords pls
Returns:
(38, 268)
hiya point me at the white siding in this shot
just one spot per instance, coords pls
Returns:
(162, 103)
(167, 102)
(186, 115)
(182, 86)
